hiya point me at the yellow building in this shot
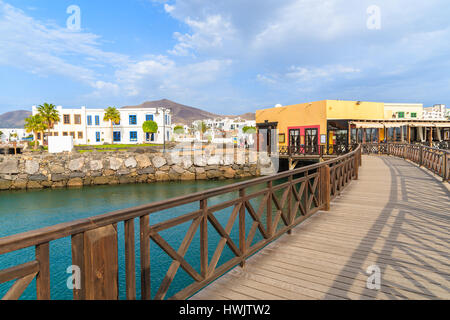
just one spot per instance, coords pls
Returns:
(306, 127)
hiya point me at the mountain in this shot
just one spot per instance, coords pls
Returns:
(14, 119)
(185, 114)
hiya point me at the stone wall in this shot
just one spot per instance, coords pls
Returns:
(37, 171)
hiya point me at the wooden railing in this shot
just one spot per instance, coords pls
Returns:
(286, 200)
(320, 150)
(435, 160)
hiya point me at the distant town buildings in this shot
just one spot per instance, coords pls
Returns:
(9, 135)
(86, 126)
(436, 112)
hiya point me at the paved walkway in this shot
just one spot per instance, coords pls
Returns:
(396, 216)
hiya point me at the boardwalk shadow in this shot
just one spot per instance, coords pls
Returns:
(423, 269)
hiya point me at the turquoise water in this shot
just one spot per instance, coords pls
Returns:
(22, 211)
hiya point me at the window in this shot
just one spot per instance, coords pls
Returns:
(97, 120)
(39, 136)
(133, 119)
(148, 117)
(116, 136)
(66, 119)
(89, 120)
(97, 136)
(80, 135)
(149, 136)
(65, 134)
(55, 134)
(413, 115)
(77, 119)
(133, 135)
(168, 135)
(72, 134)
(401, 115)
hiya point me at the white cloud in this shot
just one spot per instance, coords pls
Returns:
(47, 49)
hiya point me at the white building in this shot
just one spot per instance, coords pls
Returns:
(86, 126)
(8, 134)
(437, 112)
(405, 111)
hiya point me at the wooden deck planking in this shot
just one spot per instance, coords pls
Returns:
(384, 218)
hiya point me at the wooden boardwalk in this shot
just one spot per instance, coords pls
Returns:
(396, 216)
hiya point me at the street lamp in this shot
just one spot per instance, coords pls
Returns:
(164, 127)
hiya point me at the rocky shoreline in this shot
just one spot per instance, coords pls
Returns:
(29, 171)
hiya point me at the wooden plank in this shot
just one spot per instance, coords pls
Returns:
(78, 261)
(101, 264)
(43, 276)
(144, 224)
(130, 260)
(18, 287)
(19, 271)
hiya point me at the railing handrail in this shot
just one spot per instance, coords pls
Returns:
(62, 230)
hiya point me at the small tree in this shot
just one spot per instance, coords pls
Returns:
(249, 130)
(178, 130)
(35, 124)
(1, 133)
(112, 115)
(150, 126)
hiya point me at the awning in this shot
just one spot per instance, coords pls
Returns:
(422, 124)
(394, 124)
(442, 124)
(367, 125)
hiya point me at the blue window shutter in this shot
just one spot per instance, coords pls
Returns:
(89, 120)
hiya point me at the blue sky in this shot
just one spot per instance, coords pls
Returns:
(225, 56)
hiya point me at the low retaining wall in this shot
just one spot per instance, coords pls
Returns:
(101, 168)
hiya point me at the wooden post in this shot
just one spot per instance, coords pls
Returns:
(78, 260)
(43, 276)
(269, 210)
(101, 264)
(431, 136)
(409, 134)
(204, 238)
(242, 244)
(445, 166)
(144, 225)
(421, 157)
(130, 267)
(326, 188)
(356, 166)
(289, 199)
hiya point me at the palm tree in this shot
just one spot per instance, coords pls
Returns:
(49, 116)
(202, 128)
(35, 124)
(112, 115)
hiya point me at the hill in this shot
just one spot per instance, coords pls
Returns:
(14, 119)
(185, 114)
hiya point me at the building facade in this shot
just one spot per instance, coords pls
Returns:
(308, 127)
(436, 112)
(86, 126)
